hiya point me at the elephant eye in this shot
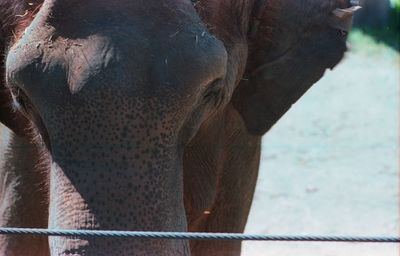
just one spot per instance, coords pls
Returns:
(214, 93)
(194, 2)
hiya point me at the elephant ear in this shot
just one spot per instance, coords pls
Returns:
(8, 116)
(291, 44)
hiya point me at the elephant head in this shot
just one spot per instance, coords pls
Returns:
(117, 90)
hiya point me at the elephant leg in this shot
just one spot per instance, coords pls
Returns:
(235, 190)
(23, 198)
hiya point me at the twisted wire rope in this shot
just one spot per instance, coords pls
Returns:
(196, 236)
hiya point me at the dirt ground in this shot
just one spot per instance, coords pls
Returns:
(330, 166)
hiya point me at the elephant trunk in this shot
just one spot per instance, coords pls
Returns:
(117, 192)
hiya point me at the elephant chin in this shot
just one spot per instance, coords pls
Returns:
(116, 196)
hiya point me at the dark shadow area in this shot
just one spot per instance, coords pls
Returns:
(381, 21)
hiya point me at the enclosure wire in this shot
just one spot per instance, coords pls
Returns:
(196, 236)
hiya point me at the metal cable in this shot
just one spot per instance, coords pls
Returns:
(195, 236)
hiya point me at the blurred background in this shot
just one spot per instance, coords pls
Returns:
(330, 166)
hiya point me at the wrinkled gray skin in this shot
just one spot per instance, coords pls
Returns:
(22, 193)
(150, 113)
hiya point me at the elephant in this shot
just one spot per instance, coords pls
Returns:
(149, 115)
